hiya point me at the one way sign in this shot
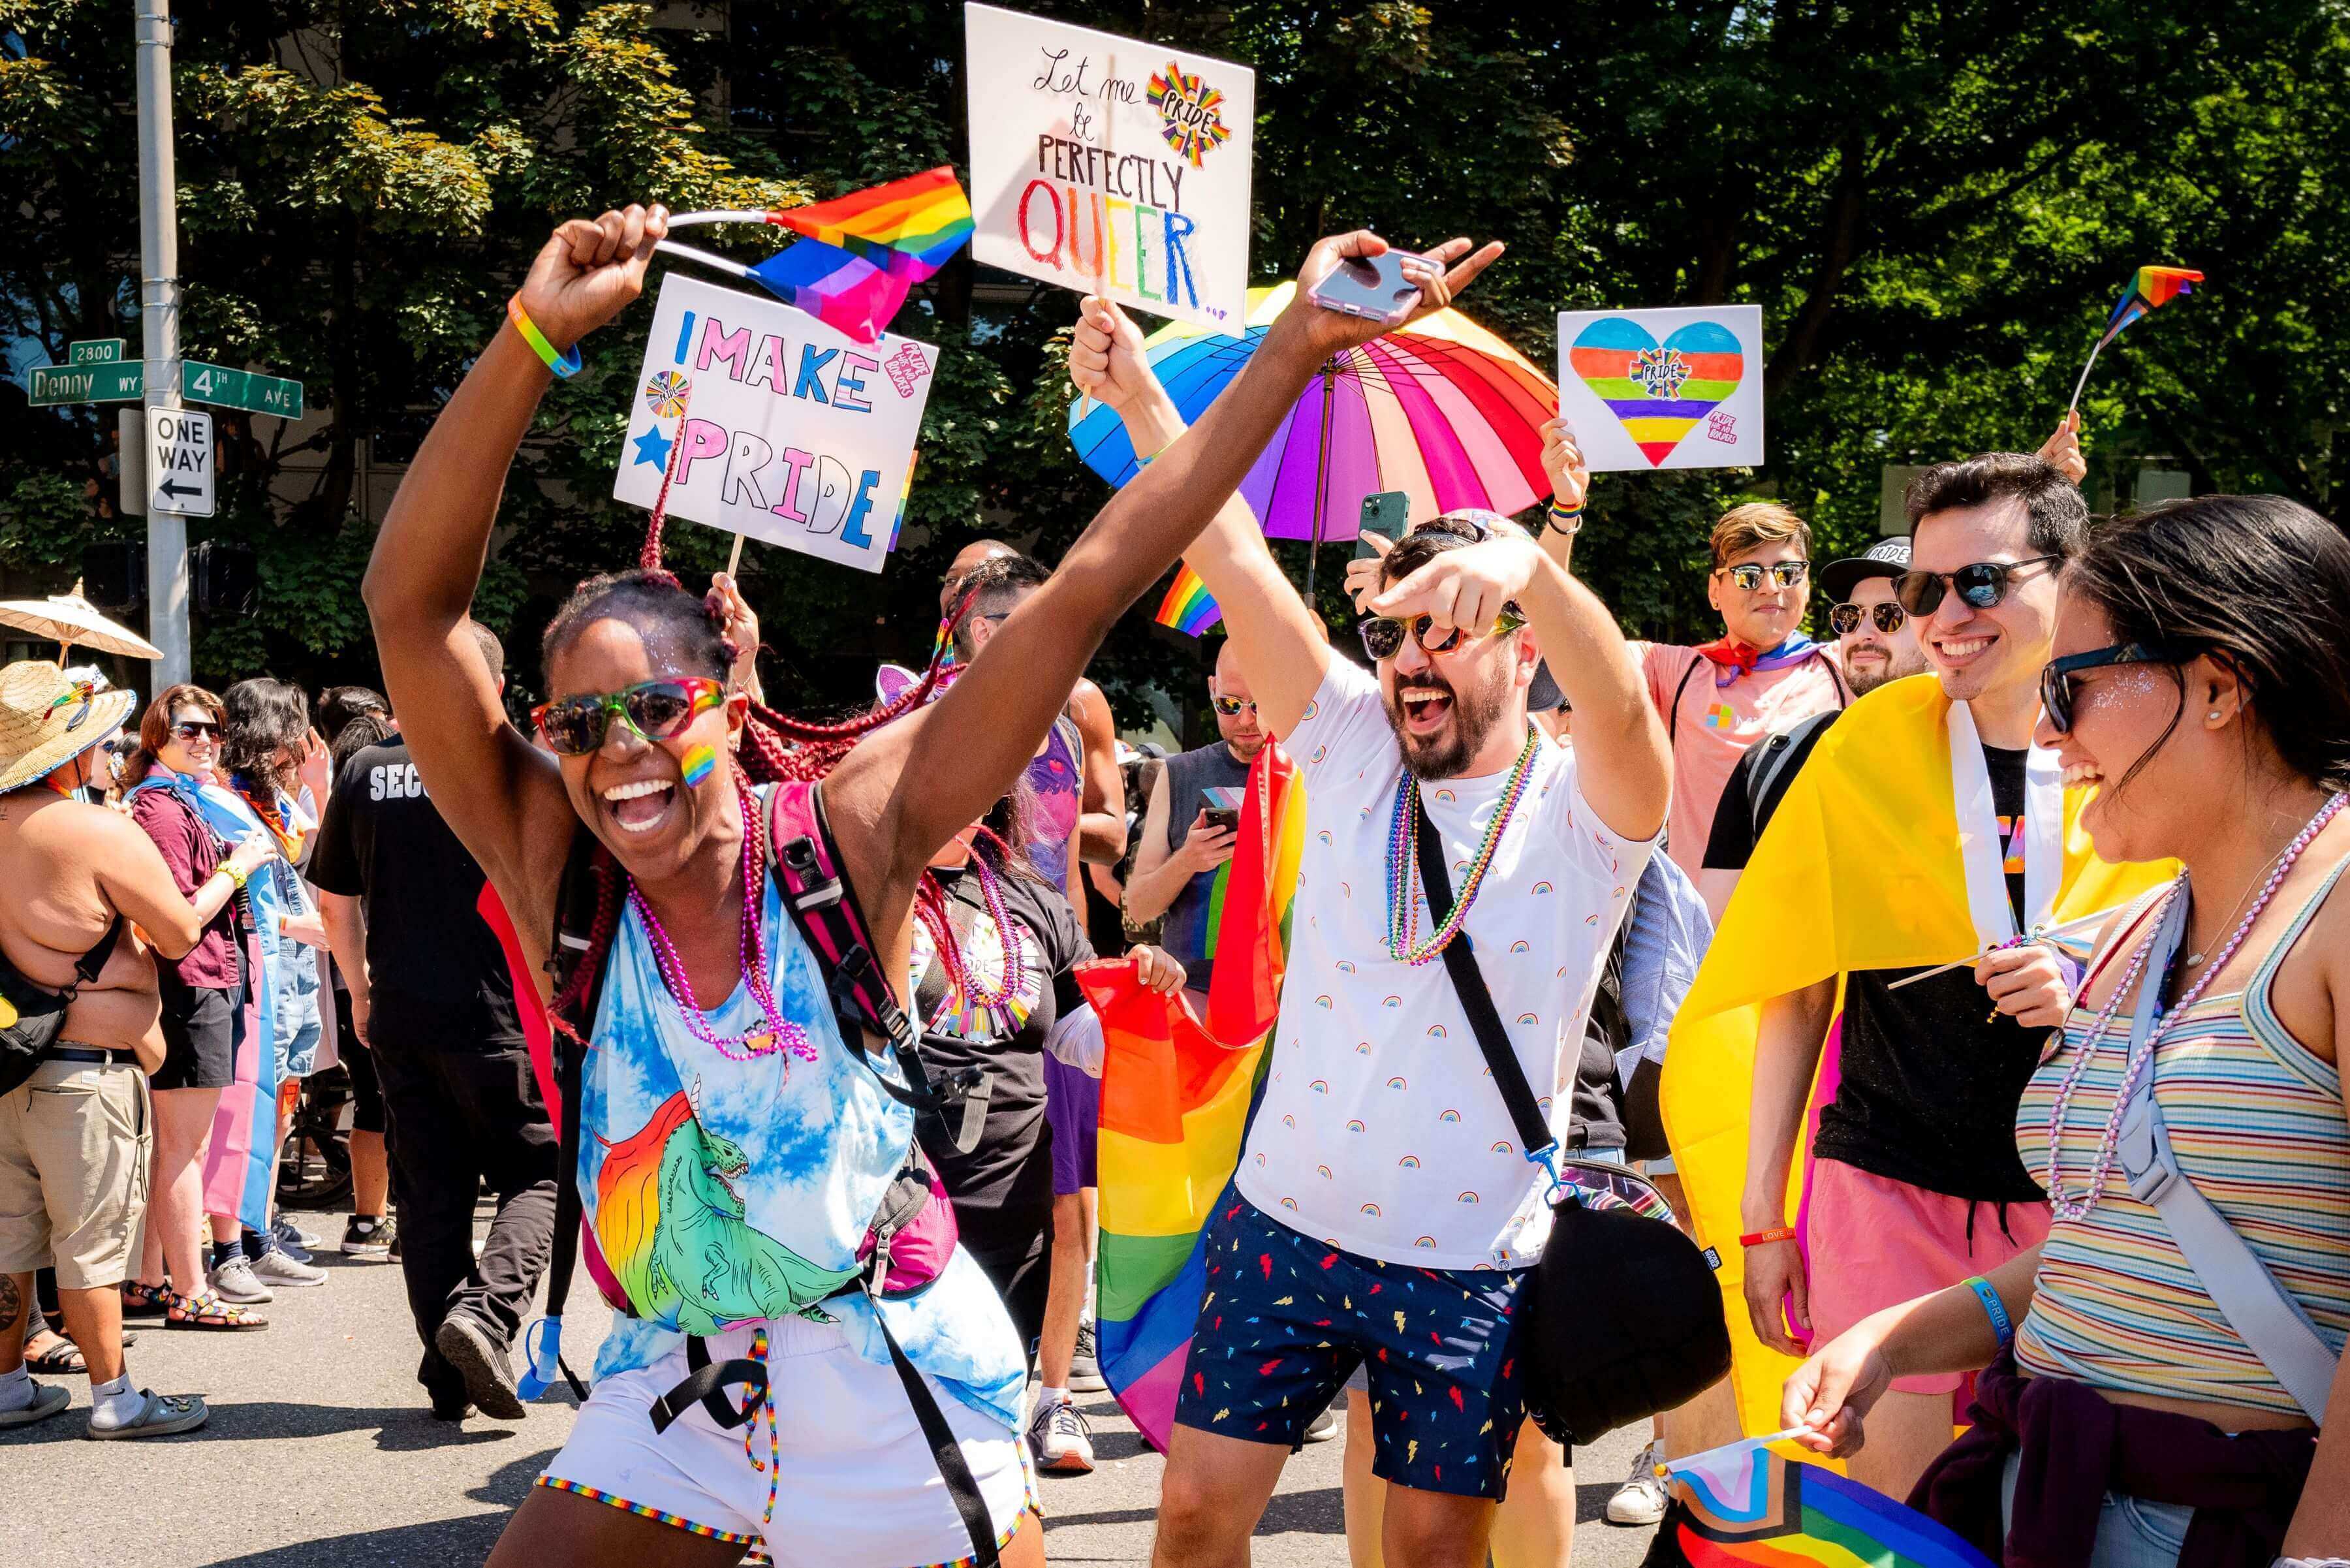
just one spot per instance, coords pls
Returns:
(180, 461)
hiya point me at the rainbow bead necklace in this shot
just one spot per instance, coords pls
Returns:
(1403, 898)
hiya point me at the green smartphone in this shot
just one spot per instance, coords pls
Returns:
(1386, 515)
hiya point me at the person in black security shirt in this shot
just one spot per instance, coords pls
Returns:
(417, 932)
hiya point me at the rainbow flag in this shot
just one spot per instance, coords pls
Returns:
(1187, 607)
(2151, 289)
(863, 250)
(1175, 1100)
(1748, 1506)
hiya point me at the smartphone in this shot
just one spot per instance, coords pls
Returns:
(1386, 515)
(1222, 804)
(1373, 288)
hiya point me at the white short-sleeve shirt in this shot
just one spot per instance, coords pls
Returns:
(1381, 1131)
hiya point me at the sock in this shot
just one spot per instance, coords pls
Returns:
(227, 1251)
(16, 1389)
(1047, 1397)
(254, 1244)
(113, 1404)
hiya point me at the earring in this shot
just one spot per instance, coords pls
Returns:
(2213, 715)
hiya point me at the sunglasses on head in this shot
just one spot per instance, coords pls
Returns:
(655, 709)
(195, 728)
(1232, 707)
(1844, 619)
(1783, 574)
(1383, 635)
(2056, 690)
(1980, 586)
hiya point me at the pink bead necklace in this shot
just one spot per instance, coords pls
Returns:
(2076, 1208)
(977, 991)
(781, 1032)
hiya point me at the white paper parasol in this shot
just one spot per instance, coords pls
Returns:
(72, 621)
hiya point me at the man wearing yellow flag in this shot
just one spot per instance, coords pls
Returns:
(1924, 830)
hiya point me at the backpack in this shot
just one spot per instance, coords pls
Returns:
(912, 1235)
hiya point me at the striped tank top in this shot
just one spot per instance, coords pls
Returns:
(2257, 1122)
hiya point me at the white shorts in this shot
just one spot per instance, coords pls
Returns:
(842, 1478)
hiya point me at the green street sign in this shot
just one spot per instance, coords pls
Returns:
(50, 385)
(94, 351)
(233, 388)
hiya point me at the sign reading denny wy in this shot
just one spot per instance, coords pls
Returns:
(1110, 166)
(96, 372)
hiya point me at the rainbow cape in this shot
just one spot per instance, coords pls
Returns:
(863, 250)
(1859, 869)
(1187, 607)
(2149, 288)
(1175, 1099)
(1748, 1506)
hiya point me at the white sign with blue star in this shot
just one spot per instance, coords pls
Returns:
(765, 421)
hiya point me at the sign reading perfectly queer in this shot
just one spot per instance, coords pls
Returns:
(790, 432)
(1110, 166)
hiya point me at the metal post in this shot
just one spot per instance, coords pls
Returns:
(159, 329)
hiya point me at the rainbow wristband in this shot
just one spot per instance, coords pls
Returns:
(1997, 1309)
(564, 365)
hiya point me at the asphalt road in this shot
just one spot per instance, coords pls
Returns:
(319, 1454)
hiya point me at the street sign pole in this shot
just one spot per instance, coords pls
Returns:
(159, 331)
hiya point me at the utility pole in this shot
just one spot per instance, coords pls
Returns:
(159, 331)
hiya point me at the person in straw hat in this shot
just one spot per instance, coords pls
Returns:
(74, 1118)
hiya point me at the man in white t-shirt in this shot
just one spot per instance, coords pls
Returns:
(1385, 1213)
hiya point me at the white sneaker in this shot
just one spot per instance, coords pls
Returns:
(1325, 1425)
(1061, 1439)
(1642, 1498)
(236, 1282)
(278, 1267)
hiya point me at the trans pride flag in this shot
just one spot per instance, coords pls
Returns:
(1175, 1100)
(1749, 1508)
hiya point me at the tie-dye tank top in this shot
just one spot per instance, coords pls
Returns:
(724, 1192)
(1055, 778)
(2257, 1122)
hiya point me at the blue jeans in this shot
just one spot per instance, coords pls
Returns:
(2131, 1532)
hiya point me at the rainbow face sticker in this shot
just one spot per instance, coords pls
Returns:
(698, 764)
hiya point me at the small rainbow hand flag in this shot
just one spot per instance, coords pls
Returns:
(862, 252)
(1187, 607)
(2151, 289)
(1746, 1507)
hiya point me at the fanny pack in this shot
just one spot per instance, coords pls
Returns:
(912, 1233)
(33, 1016)
(1595, 1358)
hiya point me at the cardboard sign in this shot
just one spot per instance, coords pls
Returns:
(1110, 166)
(1663, 389)
(791, 432)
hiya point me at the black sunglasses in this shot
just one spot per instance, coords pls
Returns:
(1844, 619)
(1981, 584)
(188, 729)
(2056, 676)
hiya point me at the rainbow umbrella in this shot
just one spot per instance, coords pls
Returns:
(1441, 410)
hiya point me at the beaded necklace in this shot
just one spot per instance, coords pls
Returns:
(961, 974)
(1403, 901)
(2076, 1208)
(781, 1032)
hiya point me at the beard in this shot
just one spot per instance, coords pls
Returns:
(1895, 668)
(1471, 719)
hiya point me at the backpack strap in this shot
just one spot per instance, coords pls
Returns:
(1672, 716)
(1778, 749)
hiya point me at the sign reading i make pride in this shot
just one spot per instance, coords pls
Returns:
(1111, 166)
(785, 430)
(1663, 389)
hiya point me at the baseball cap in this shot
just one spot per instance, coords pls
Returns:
(1544, 695)
(1886, 558)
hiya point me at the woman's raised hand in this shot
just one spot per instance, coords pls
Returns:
(590, 271)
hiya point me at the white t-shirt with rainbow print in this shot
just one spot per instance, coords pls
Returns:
(1381, 1132)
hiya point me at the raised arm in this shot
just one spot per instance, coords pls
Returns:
(502, 796)
(905, 790)
(1101, 829)
(1570, 488)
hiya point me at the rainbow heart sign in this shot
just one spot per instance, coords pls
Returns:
(1680, 388)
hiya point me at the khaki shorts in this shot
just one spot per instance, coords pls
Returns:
(74, 1140)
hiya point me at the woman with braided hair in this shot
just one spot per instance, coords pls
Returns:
(738, 1144)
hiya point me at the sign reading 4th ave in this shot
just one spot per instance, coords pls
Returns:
(180, 461)
(234, 388)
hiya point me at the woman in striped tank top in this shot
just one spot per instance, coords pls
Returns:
(2202, 675)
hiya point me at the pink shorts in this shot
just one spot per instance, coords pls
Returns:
(1875, 1242)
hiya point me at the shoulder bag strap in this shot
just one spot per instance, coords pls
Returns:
(1673, 710)
(1477, 1001)
(1779, 753)
(2257, 1307)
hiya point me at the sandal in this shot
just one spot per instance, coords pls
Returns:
(63, 1358)
(145, 1301)
(208, 1311)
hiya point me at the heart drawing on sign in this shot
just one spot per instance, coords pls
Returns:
(1659, 391)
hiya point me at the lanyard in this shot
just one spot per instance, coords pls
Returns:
(1981, 851)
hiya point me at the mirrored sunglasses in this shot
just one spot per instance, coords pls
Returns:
(1844, 619)
(655, 709)
(1783, 574)
(1980, 586)
(1383, 635)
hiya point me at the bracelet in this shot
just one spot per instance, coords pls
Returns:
(564, 365)
(1996, 1309)
(232, 873)
(1762, 1237)
(1141, 461)
(1568, 520)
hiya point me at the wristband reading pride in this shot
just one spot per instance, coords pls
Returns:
(564, 365)
(1996, 1309)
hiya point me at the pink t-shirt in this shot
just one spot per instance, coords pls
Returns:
(1717, 723)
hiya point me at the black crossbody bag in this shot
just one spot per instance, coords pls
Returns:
(1597, 1355)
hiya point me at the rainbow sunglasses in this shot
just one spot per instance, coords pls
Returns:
(655, 709)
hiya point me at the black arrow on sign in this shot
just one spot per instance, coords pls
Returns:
(173, 487)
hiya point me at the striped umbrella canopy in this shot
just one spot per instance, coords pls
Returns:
(1441, 410)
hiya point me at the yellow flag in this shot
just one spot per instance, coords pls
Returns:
(1859, 869)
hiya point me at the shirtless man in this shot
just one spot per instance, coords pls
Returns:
(74, 1134)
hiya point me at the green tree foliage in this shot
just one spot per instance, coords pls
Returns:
(1934, 203)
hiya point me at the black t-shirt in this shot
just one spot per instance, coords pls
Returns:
(437, 971)
(1005, 1175)
(1931, 1079)
(1737, 824)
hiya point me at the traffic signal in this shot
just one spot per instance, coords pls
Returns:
(225, 579)
(114, 574)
